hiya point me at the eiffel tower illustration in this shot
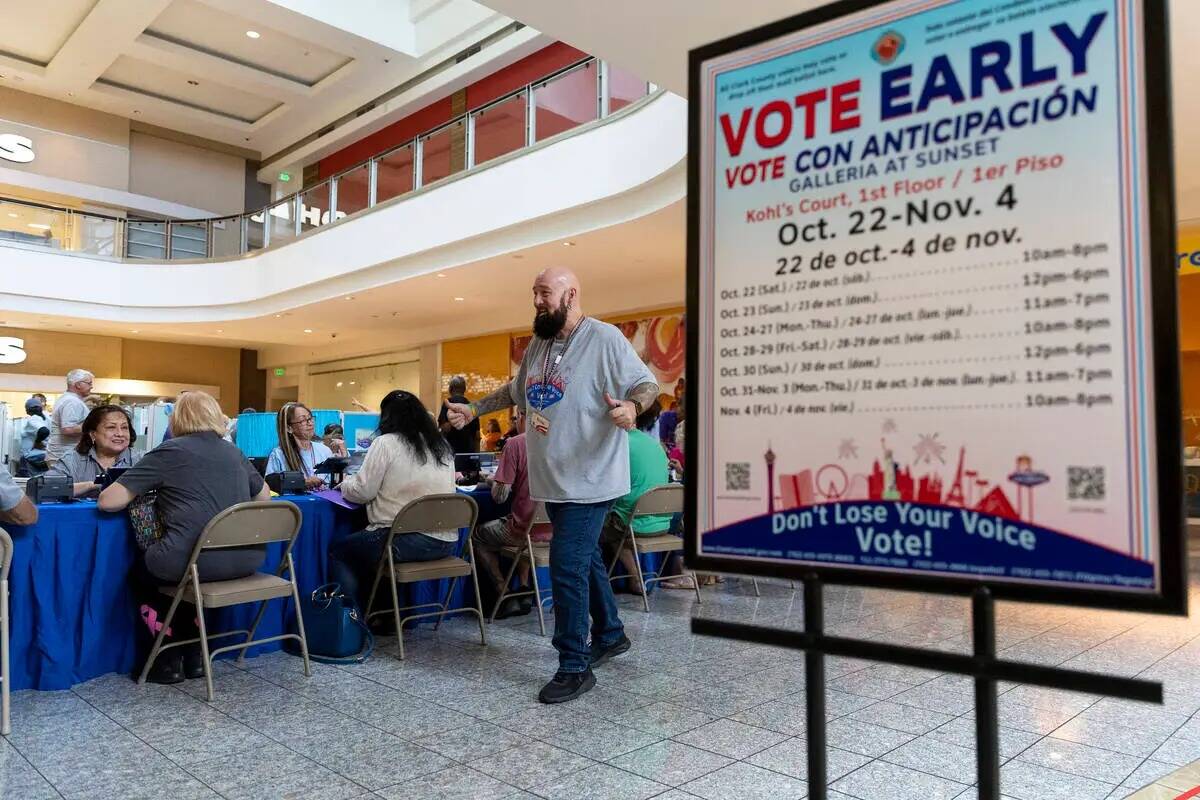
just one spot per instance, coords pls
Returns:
(955, 495)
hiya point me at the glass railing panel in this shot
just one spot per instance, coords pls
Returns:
(226, 237)
(624, 88)
(46, 227)
(256, 231)
(443, 152)
(315, 209)
(189, 240)
(145, 239)
(565, 102)
(499, 129)
(394, 173)
(283, 224)
(353, 190)
(98, 236)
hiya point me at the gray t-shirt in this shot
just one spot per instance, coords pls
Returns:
(197, 477)
(69, 410)
(585, 457)
(10, 493)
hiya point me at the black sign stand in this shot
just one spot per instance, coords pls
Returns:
(982, 665)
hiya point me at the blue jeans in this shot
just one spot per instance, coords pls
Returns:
(580, 582)
(353, 560)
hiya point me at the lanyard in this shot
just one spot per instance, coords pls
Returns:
(547, 366)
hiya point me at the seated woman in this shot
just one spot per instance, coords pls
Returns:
(107, 436)
(492, 437)
(409, 459)
(297, 450)
(197, 475)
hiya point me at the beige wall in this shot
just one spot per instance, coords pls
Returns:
(183, 173)
(70, 143)
(185, 363)
(52, 353)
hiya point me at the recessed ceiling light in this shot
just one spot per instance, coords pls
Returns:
(219, 330)
(70, 94)
(39, 226)
(568, 244)
(441, 274)
(135, 331)
(352, 383)
(253, 34)
(136, 111)
(308, 330)
(350, 297)
(277, 316)
(458, 299)
(14, 216)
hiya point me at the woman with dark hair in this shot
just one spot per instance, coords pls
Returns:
(408, 459)
(299, 450)
(105, 442)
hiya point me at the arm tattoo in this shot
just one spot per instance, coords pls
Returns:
(644, 394)
(501, 491)
(496, 401)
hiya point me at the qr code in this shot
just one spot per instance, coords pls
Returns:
(737, 476)
(1085, 483)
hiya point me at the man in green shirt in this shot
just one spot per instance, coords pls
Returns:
(647, 470)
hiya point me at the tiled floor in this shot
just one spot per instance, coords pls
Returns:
(677, 717)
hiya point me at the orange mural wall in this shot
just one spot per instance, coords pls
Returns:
(483, 361)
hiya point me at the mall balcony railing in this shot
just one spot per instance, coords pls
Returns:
(567, 99)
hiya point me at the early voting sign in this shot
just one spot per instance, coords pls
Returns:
(929, 347)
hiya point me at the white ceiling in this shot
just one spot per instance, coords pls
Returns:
(188, 65)
(652, 39)
(628, 267)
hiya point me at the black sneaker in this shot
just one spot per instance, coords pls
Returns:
(566, 686)
(511, 607)
(602, 654)
(167, 669)
(193, 662)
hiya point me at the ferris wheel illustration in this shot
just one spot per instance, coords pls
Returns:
(832, 482)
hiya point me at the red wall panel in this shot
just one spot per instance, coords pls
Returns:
(530, 68)
(514, 76)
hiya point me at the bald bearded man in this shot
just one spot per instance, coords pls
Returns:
(582, 386)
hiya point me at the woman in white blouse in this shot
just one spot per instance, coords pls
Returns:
(408, 459)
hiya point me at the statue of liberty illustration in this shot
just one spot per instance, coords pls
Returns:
(890, 492)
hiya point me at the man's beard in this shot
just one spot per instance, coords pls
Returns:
(548, 324)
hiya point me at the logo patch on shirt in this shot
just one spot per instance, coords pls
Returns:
(542, 397)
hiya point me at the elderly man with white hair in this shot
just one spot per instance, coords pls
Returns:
(70, 410)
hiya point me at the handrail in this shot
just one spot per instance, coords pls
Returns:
(136, 238)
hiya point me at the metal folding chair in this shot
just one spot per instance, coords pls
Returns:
(6, 555)
(254, 523)
(538, 555)
(435, 512)
(661, 500)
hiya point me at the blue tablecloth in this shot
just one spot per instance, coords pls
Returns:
(73, 615)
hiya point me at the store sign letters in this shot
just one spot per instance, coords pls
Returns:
(18, 149)
(12, 350)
